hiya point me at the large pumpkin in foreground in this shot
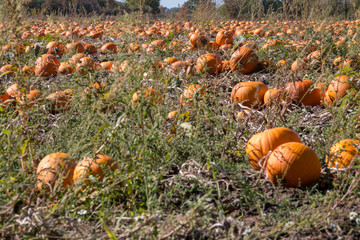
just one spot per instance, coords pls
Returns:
(96, 167)
(293, 164)
(342, 153)
(55, 167)
(260, 144)
(250, 94)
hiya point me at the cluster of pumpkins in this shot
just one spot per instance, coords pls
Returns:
(286, 160)
(60, 168)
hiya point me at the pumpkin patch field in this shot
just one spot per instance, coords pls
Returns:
(166, 129)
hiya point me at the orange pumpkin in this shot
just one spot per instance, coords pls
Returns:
(209, 63)
(272, 96)
(315, 96)
(260, 144)
(149, 94)
(60, 101)
(297, 90)
(89, 166)
(293, 164)
(224, 37)
(250, 94)
(188, 94)
(337, 89)
(244, 60)
(85, 64)
(342, 153)
(66, 68)
(75, 47)
(109, 48)
(56, 48)
(90, 48)
(53, 167)
(46, 65)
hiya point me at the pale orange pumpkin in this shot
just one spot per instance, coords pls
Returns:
(194, 91)
(337, 89)
(293, 164)
(60, 101)
(95, 167)
(224, 37)
(149, 94)
(250, 94)
(55, 167)
(56, 48)
(260, 144)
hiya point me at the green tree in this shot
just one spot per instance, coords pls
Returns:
(146, 6)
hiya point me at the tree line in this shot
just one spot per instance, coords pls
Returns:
(233, 9)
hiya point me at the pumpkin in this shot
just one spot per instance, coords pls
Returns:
(90, 48)
(109, 48)
(244, 60)
(53, 167)
(85, 64)
(260, 144)
(250, 94)
(106, 65)
(95, 167)
(149, 94)
(272, 96)
(297, 90)
(299, 65)
(158, 44)
(188, 94)
(75, 47)
(60, 101)
(9, 69)
(65, 68)
(225, 66)
(224, 37)
(209, 63)
(293, 164)
(337, 89)
(315, 96)
(170, 60)
(342, 153)
(46, 65)
(56, 48)
(4, 99)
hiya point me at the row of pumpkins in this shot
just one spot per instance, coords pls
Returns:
(279, 151)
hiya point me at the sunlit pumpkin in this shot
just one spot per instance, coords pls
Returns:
(342, 153)
(243, 60)
(56, 48)
(293, 164)
(250, 94)
(95, 167)
(208, 63)
(337, 89)
(194, 91)
(109, 48)
(149, 95)
(260, 144)
(55, 167)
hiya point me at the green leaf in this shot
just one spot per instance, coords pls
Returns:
(110, 234)
(7, 132)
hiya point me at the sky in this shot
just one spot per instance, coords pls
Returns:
(171, 3)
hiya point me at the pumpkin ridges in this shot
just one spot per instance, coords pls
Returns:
(292, 162)
(260, 144)
(250, 94)
(244, 60)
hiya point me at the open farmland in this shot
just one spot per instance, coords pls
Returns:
(136, 129)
